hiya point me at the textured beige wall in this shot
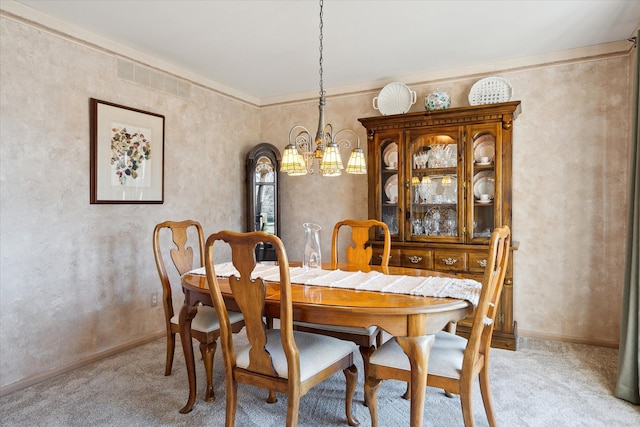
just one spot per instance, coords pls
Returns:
(76, 279)
(570, 180)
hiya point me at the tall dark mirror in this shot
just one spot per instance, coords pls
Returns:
(263, 195)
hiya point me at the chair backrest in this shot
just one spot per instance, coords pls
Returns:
(359, 255)
(492, 283)
(250, 295)
(181, 255)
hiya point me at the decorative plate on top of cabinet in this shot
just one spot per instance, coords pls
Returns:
(394, 98)
(490, 90)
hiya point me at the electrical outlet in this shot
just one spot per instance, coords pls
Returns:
(154, 299)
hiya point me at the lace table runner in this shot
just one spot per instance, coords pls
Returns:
(432, 286)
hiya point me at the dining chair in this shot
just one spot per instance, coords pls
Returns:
(359, 256)
(205, 326)
(280, 360)
(454, 362)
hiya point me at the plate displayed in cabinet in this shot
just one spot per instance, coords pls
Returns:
(484, 146)
(391, 188)
(390, 156)
(484, 183)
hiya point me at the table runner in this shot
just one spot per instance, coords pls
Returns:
(432, 286)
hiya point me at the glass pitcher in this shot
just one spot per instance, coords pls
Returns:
(312, 254)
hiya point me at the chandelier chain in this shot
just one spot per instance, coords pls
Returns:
(321, 25)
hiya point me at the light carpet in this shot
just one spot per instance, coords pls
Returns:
(544, 383)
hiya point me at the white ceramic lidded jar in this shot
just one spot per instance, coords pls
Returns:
(437, 100)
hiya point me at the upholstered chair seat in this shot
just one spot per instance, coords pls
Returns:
(206, 319)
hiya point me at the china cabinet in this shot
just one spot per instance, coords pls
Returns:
(263, 195)
(441, 180)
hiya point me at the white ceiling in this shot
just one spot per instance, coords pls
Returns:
(271, 48)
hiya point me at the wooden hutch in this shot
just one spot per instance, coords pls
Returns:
(441, 180)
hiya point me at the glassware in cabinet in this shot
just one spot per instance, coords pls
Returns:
(435, 185)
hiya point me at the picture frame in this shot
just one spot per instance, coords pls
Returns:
(126, 154)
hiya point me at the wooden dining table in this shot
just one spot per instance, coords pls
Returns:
(409, 318)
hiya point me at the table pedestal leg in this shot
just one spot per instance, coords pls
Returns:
(417, 349)
(187, 313)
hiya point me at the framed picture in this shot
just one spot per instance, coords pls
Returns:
(127, 154)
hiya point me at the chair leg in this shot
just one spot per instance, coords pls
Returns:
(486, 396)
(366, 353)
(371, 385)
(466, 401)
(451, 327)
(272, 398)
(232, 396)
(171, 347)
(407, 392)
(208, 351)
(379, 339)
(351, 375)
(293, 409)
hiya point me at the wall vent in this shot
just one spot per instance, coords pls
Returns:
(153, 79)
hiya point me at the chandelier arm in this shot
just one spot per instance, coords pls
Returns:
(302, 139)
(328, 133)
(344, 139)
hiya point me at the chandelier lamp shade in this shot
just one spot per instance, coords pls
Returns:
(299, 155)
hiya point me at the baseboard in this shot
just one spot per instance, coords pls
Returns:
(522, 333)
(19, 385)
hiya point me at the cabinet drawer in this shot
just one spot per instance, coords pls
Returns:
(450, 261)
(395, 257)
(417, 259)
(477, 263)
(395, 260)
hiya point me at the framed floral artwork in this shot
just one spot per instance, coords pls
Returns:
(127, 154)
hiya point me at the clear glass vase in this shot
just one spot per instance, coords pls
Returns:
(312, 253)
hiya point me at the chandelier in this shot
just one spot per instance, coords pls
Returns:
(299, 155)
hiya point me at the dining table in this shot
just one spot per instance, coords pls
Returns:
(410, 319)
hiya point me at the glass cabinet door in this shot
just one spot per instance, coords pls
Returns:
(390, 183)
(436, 185)
(484, 189)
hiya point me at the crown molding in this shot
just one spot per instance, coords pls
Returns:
(17, 11)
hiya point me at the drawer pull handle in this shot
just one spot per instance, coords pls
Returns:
(415, 259)
(449, 261)
(483, 263)
(380, 256)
